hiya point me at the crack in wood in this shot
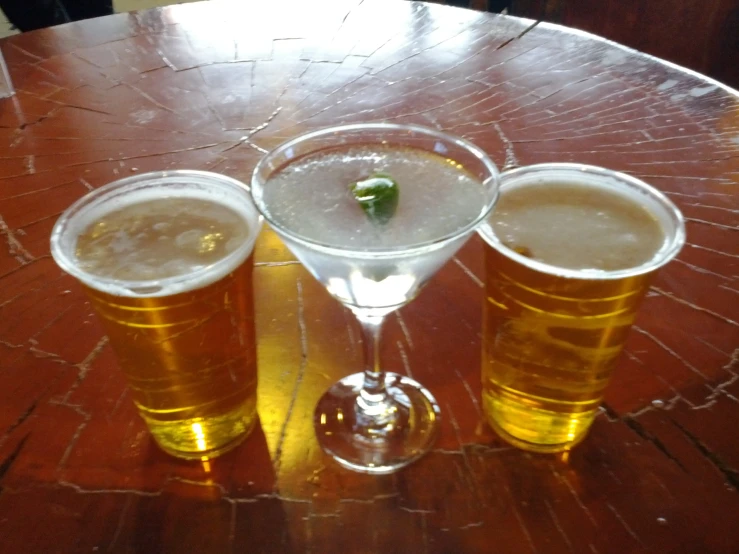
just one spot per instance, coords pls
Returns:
(561, 117)
(470, 481)
(21, 418)
(119, 526)
(25, 52)
(721, 387)
(82, 490)
(298, 379)
(24, 125)
(75, 437)
(15, 248)
(472, 395)
(46, 283)
(374, 499)
(690, 161)
(296, 113)
(256, 147)
(625, 525)
(462, 527)
(265, 123)
(149, 127)
(574, 494)
(416, 510)
(404, 359)
(520, 35)
(520, 519)
(8, 461)
(454, 98)
(10, 344)
(75, 107)
(420, 51)
(510, 156)
(342, 87)
(46, 190)
(117, 404)
(698, 269)
(708, 206)
(147, 97)
(459, 452)
(670, 351)
(558, 525)
(712, 224)
(43, 354)
(609, 413)
(389, 54)
(467, 271)
(714, 251)
(730, 474)
(404, 328)
(313, 515)
(640, 430)
(123, 159)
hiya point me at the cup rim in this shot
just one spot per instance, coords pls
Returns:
(166, 286)
(670, 248)
(257, 182)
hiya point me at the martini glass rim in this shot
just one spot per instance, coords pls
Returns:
(492, 181)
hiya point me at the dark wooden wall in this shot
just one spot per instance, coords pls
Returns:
(699, 34)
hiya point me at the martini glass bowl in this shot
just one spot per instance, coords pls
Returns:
(375, 421)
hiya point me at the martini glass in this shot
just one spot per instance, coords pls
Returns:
(375, 421)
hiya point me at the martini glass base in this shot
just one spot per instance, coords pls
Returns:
(407, 435)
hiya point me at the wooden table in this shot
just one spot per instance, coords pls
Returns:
(211, 86)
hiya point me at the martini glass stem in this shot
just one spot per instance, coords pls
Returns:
(376, 413)
(374, 384)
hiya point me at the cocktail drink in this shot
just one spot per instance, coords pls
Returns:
(571, 250)
(165, 259)
(373, 211)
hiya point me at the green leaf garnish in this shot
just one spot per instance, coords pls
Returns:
(377, 196)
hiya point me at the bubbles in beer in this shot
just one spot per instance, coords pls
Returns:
(160, 238)
(577, 226)
(551, 342)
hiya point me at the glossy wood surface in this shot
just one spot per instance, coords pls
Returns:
(212, 86)
(700, 34)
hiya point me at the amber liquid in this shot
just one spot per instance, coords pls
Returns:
(550, 343)
(188, 353)
(549, 347)
(190, 361)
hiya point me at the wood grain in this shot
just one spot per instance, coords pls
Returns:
(702, 35)
(211, 86)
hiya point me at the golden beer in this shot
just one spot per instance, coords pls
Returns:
(166, 261)
(570, 253)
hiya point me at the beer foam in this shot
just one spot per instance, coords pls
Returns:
(667, 234)
(211, 188)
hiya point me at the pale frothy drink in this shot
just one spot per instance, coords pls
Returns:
(169, 271)
(312, 199)
(569, 261)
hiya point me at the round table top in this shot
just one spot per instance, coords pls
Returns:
(212, 86)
